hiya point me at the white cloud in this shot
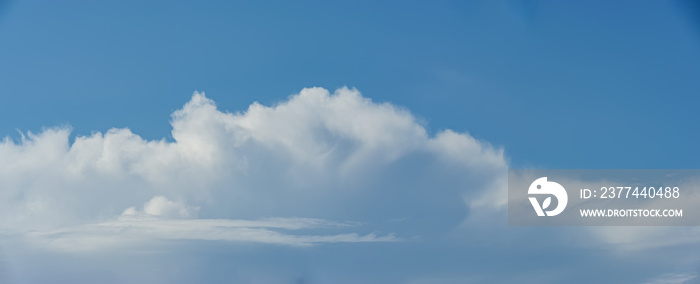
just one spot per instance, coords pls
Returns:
(278, 175)
(134, 230)
(162, 207)
(163, 219)
(328, 156)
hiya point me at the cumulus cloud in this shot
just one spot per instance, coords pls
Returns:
(317, 169)
(318, 155)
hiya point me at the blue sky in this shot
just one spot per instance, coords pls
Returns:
(591, 84)
(599, 83)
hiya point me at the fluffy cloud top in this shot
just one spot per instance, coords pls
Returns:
(319, 155)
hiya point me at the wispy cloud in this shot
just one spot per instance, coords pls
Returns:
(161, 219)
(674, 278)
(134, 231)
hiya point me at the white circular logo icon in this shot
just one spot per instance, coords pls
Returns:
(542, 186)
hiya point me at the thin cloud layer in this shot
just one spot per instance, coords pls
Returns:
(161, 219)
(316, 155)
(130, 231)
